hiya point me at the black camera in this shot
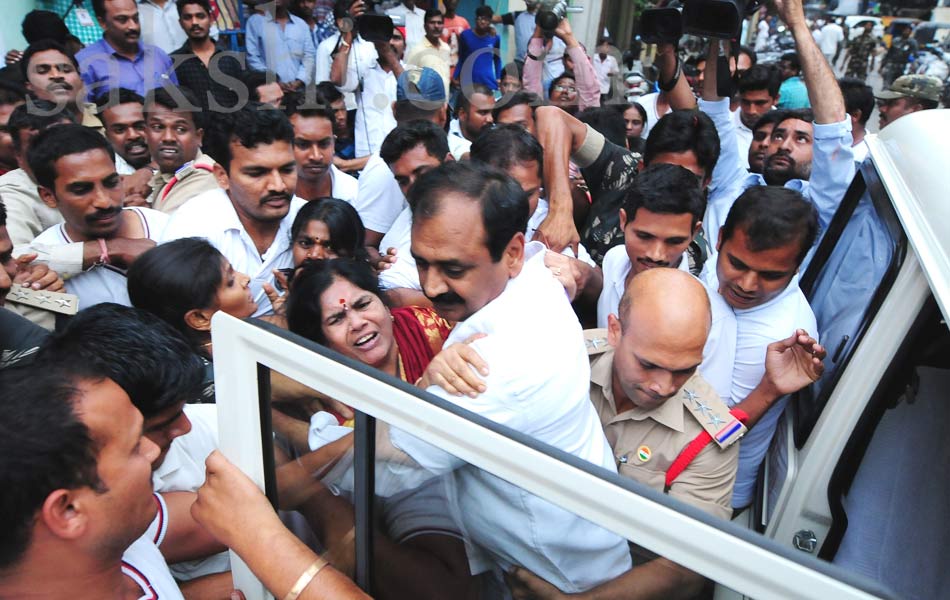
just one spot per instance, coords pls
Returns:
(707, 18)
(371, 26)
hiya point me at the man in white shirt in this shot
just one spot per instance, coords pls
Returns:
(761, 245)
(662, 214)
(314, 142)
(831, 37)
(605, 66)
(468, 242)
(371, 75)
(75, 170)
(414, 19)
(410, 151)
(475, 114)
(420, 95)
(758, 94)
(248, 220)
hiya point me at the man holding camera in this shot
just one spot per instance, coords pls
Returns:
(810, 151)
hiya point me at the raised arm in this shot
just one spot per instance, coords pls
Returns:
(588, 87)
(681, 96)
(827, 103)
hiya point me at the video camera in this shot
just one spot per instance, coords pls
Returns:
(371, 26)
(707, 18)
(551, 12)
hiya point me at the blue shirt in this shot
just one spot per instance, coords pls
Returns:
(793, 94)
(479, 59)
(102, 69)
(832, 169)
(287, 49)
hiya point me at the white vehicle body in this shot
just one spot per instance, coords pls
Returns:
(853, 499)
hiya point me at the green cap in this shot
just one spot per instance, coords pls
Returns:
(924, 87)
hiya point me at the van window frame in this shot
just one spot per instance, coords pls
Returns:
(867, 181)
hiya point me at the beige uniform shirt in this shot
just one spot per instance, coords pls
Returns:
(646, 442)
(27, 215)
(190, 180)
(424, 54)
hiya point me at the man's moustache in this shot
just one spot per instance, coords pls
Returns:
(446, 298)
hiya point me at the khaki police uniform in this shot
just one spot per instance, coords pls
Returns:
(647, 442)
(171, 190)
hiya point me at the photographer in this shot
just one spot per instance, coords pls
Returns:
(587, 88)
(369, 70)
(809, 152)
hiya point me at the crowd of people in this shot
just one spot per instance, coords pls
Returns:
(617, 281)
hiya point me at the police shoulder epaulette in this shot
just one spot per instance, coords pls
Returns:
(58, 302)
(596, 341)
(705, 405)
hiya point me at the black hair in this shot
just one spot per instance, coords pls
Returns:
(341, 8)
(415, 110)
(304, 309)
(515, 66)
(753, 58)
(115, 97)
(622, 108)
(300, 105)
(171, 279)
(10, 94)
(506, 145)
(191, 106)
(43, 45)
(328, 92)
(771, 117)
(431, 14)
(771, 217)
(255, 79)
(45, 115)
(464, 100)
(685, 131)
(250, 126)
(504, 204)
(557, 80)
(802, 114)
(484, 11)
(3, 214)
(792, 59)
(44, 446)
(43, 24)
(409, 135)
(517, 99)
(142, 353)
(99, 8)
(760, 77)
(665, 189)
(606, 121)
(181, 4)
(59, 141)
(857, 96)
(347, 233)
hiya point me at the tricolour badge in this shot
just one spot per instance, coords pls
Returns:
(644, 454)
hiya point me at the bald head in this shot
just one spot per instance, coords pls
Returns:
(667, 308)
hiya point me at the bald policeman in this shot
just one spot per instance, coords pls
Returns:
(654, 404)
